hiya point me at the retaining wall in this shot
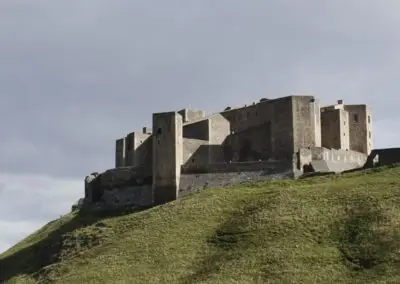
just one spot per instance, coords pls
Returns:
(219, 175)
(237, 167)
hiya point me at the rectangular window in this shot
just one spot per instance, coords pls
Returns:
(369, 119)
(356, 118)
(369, 134)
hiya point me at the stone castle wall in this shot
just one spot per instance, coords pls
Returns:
(198, 177)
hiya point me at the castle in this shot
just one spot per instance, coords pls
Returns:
(187, 150)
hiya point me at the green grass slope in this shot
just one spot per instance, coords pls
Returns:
(328, 229)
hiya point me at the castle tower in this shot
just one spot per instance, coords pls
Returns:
(360, 126)
(335, 127)
(305, 119)
(120, 152)
(138, 149)
(167, 156)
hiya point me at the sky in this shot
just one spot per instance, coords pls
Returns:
(75, 75)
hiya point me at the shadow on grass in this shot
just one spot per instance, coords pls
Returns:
(365, 236)
(52, 249)
(240, 231)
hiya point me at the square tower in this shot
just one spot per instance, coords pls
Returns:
(335, 127)
(360, 124)
(167, 156)
(138, 149)
(120, 160)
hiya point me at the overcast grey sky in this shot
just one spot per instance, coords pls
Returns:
(76, 74)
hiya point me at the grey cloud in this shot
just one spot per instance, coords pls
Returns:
(76, 75)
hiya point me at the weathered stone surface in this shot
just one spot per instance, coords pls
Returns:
(141, 196)
(190, 183)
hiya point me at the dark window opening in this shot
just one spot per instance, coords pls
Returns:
(369, 119)
(192, 160)
(356, 118)
(369, 134)
(248, 114)
(159, 131)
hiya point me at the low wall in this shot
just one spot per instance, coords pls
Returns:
(267, 166)
(199, 177)
(125, 176)
(140, 196)
(190, 183)
(120, 187)
(319, 159)
(333, 155)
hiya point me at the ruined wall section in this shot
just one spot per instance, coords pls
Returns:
(360, 127)
(335, 129)
(167, 155)
(118, 187)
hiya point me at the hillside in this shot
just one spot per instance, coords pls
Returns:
(319, 230)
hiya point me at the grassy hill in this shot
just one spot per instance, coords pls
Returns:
(319, 230)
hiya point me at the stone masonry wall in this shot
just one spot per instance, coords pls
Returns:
(252, 144)
(120, 152)
(190, 183)
(197, 130)
(303, 122)
(191, 115)
(320, 153)
(238, 167)
(195, 151)
(167, 155)
(139, 149)
(138, 196)
(277, 117)
(121, 186)
(219, 130)
(360, 127)
(335, 129)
